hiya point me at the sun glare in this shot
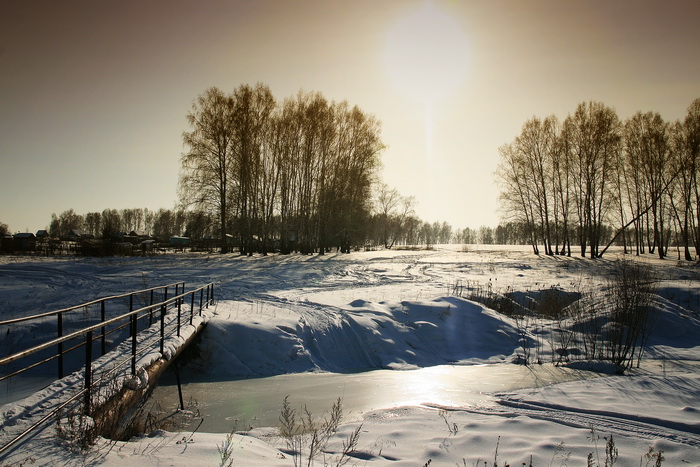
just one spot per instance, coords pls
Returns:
(426, 58)
(426, 54)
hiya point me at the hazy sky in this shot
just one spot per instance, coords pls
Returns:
(93, 95)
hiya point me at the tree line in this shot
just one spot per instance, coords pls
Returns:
(570, 182)
(161, 223)
(386, 226)
(297, 172)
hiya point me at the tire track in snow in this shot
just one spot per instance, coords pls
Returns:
(602, 422)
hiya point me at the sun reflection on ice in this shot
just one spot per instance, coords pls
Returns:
(440, 386)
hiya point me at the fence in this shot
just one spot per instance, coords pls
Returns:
(86, 337)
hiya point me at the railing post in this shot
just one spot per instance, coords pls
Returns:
(150, 311)
(131, 308)
(179, 309)
(162, 329)
(201, 297)
(212, 292)
(103, 329)
(192, 307)
(133, 344)
(165, 296)
(88, 371)
(207, 302)
(60, 345)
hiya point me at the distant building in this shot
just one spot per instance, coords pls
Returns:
(142, 234)
(24, 241)
(179, 241)
(75, 234)
(147, 246)
(6, 242)
(136, 237)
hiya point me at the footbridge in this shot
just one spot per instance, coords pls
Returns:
(96, 359)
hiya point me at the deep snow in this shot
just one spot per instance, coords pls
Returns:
(392, 310)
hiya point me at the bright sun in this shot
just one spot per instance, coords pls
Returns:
(426, 54)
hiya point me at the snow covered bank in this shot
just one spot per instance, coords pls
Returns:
(284, 336)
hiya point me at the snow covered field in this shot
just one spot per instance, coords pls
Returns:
(395, 310)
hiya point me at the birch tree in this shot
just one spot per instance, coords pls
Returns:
(206, 181)
(593, 138)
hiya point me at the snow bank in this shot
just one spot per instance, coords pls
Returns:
(301, 336)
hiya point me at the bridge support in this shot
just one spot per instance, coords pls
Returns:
(117, 410)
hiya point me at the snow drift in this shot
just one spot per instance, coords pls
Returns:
(367, 335)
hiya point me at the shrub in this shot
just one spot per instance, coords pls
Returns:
(306, 436)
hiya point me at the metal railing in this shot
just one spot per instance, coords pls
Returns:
(151, 337)
(62, 318)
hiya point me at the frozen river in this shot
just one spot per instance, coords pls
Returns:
(256, 402)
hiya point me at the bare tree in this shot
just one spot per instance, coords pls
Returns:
(537, 147)
(93, 223)
(393, 210)
(691, 130)
(388, 200)
(592, 139)
(205, 178)
(111, 224)
(516, 197)
(252, 109)
(647, 149)
(681, 193)
(165, 224)
(563, 183)
(62, 224)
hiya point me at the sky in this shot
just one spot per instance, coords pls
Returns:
(93, 95)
